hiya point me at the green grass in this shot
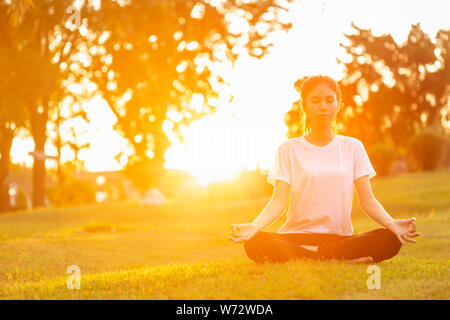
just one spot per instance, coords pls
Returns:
(128, 251)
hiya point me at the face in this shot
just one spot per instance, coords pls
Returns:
(321, 105)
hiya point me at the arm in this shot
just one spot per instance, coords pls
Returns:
(370, 205)
(275, 207)
(272, 211)
(373, 208)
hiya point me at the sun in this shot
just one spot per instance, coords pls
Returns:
(219, 146)
(205, 176)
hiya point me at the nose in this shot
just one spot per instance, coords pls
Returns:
(323, 106)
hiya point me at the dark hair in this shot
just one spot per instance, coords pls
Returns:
(308, 84)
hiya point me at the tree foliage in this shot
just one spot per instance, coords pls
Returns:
(295, 118)
(149, 59)
(427, 149)
(145, 58)
(391, 90)
(40, 43)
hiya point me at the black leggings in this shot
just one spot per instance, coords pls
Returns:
(380, 244)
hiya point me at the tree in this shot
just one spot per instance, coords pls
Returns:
(142, 69)
(149, 59)
(13, 110)
(392, 90)
(72, 112)
(17, 10)
(44, 43)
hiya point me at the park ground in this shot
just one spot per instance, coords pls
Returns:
(181, 251)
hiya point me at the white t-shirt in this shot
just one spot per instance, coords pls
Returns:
(321, 179)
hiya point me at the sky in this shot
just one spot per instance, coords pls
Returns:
(250, 128)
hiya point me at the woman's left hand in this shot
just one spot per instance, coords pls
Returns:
(401, 229)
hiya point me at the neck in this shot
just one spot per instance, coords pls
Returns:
(321, 134)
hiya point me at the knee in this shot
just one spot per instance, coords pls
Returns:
(254, 242)
(254, 246)
(390, 242)
(392, 238)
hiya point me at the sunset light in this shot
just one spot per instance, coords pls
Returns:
(262, 93)
(215, 152)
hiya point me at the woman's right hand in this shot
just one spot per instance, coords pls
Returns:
(244, 231)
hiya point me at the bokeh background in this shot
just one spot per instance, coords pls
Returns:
(112, 100)
(116, 112)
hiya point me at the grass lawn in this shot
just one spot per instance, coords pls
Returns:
(179, 251)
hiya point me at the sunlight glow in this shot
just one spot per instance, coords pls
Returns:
(245, 133)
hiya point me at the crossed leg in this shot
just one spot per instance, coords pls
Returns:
(379, 244)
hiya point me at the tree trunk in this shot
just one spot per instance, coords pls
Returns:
(38, 181)
(162, 143)
(58, 148)
(6, 136)
(434, 121)
(38, 126)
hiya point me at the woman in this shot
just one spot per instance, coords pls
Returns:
(315, 173)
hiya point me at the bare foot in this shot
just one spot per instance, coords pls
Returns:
(361, 260)
(310, 248)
